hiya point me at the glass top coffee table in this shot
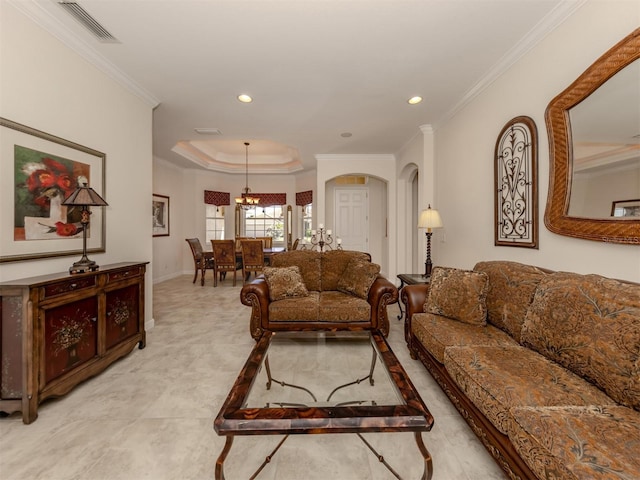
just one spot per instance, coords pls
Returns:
(322, 382)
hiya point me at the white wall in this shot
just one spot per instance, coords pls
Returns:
(167, 251)
(465, 148)
(185, 187)
(380, 166)
(417, 155)
(45, 85)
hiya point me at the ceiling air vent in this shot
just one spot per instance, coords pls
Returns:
(208, 131)
(87, 21)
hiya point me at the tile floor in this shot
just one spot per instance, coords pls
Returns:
(150, 415)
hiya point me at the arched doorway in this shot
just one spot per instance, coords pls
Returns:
(409, 256)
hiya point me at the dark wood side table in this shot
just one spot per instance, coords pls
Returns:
(409, 279)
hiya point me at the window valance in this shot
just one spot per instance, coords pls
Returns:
(217, 198)
(270, 199)
(304, 198)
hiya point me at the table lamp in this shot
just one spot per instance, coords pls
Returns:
(429, 219)
(84, 197)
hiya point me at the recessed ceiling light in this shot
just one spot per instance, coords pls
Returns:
(244, 98)
(346, 134)
(414, 100)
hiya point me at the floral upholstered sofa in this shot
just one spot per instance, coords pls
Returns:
(309, 290)
(544, 366)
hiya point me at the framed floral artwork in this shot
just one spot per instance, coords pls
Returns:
(38, 171)
(160, 215)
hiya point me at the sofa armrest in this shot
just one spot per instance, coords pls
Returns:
(256, 295)
(381, 294)
(413, 297)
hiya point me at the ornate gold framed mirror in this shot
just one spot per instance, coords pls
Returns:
(594, 148)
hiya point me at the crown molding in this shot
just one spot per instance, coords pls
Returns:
(188, 151)
(43, 18)
(549, 23)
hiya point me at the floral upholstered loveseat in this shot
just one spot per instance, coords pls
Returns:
(309, 290)
(544, 366)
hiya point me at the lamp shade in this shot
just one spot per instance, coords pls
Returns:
(429, 218)
(85, 196)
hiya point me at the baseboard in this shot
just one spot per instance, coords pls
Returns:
(169, 276)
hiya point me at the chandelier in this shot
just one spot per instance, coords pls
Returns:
(246, 200)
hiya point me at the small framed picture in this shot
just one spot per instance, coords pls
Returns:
(160, 212)
(626, 208)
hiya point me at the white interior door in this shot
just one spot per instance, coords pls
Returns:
(351, 214)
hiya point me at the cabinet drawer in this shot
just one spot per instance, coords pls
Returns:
(125, 273)
(67, 286)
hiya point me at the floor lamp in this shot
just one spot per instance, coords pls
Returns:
(429, 219)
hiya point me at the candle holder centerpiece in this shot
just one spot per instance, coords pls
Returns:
(322, 239)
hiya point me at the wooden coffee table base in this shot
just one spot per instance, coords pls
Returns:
(426, 475)
(320, 360)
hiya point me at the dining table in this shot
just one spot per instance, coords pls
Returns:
(268, 252)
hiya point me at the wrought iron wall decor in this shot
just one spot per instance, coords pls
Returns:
(516, 184)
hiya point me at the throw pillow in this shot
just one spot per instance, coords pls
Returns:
(358, 277)
(285, 282)
(458, 294)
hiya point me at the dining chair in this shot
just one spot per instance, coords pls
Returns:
(224, 260)
(267, 242)
(202, 260)
(295, 244)
(252, 258)
(239, 241)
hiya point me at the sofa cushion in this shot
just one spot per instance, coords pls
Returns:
(308, 262)
(458, 294)
(358, 277)
(591, 442)
(285, 282)
(333, 265)
(497, 379)
(590, 325)
(295, 309)
(511, 289)
(331, 306)
(336, 306)
(436, 333)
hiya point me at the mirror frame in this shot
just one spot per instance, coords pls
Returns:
(557, 119)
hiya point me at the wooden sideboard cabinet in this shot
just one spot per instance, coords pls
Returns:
(58, 330)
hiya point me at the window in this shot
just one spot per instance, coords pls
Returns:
(307, 222)
(215, 223)
(265, 222)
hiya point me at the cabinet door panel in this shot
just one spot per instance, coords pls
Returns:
(122, 314)
(70, 336)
